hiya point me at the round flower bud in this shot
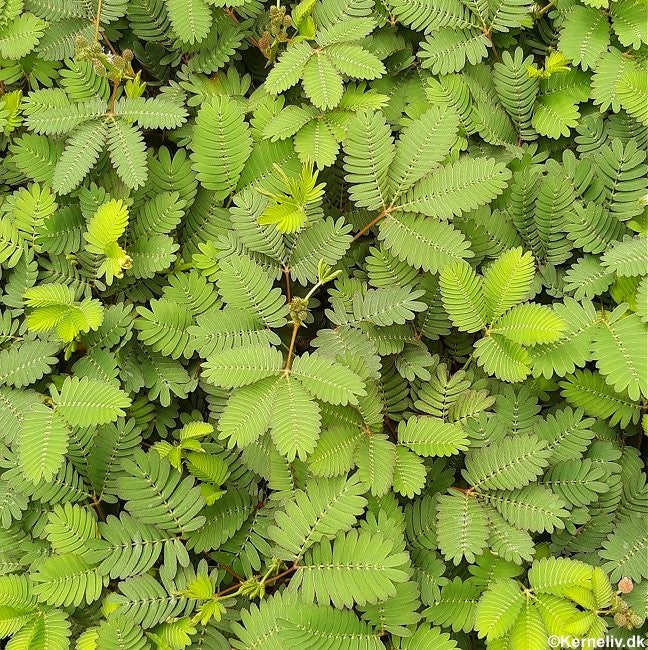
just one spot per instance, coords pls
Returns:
(298, 309)
(636, 620)
(625, 585)
(264, 41)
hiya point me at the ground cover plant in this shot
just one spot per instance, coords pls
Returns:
(323, 325)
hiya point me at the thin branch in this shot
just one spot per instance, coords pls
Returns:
(109, 44)
(286, 273)
(283, 574)
(373, 222)
(96, 504)
(468, 361)
(228, 570)
(390, 428)
(97, 21)
(229, 12)
(291, 349)
(488, 35)
(545, 9)
(113, 96)
(269, 581)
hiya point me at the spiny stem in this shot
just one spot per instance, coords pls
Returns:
(229, 590)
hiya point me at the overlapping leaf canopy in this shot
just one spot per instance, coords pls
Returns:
(323, 324)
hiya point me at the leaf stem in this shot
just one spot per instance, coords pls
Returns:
(390, 428)
(232, 573)
(545, 9)
(233, 590)
(97, 21)
(291, 349)
(468, 361)
(489, 36)
(286, 273)
(113, 96)
(373, 222)
(96, 504)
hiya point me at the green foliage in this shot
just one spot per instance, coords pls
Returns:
(323, 324)
(491, 303)
(556, 586)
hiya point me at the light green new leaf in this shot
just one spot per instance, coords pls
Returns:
(498, 609)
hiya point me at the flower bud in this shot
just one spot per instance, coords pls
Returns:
(264, 41)
(298, 310)
(635, 620)
(625, 585)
